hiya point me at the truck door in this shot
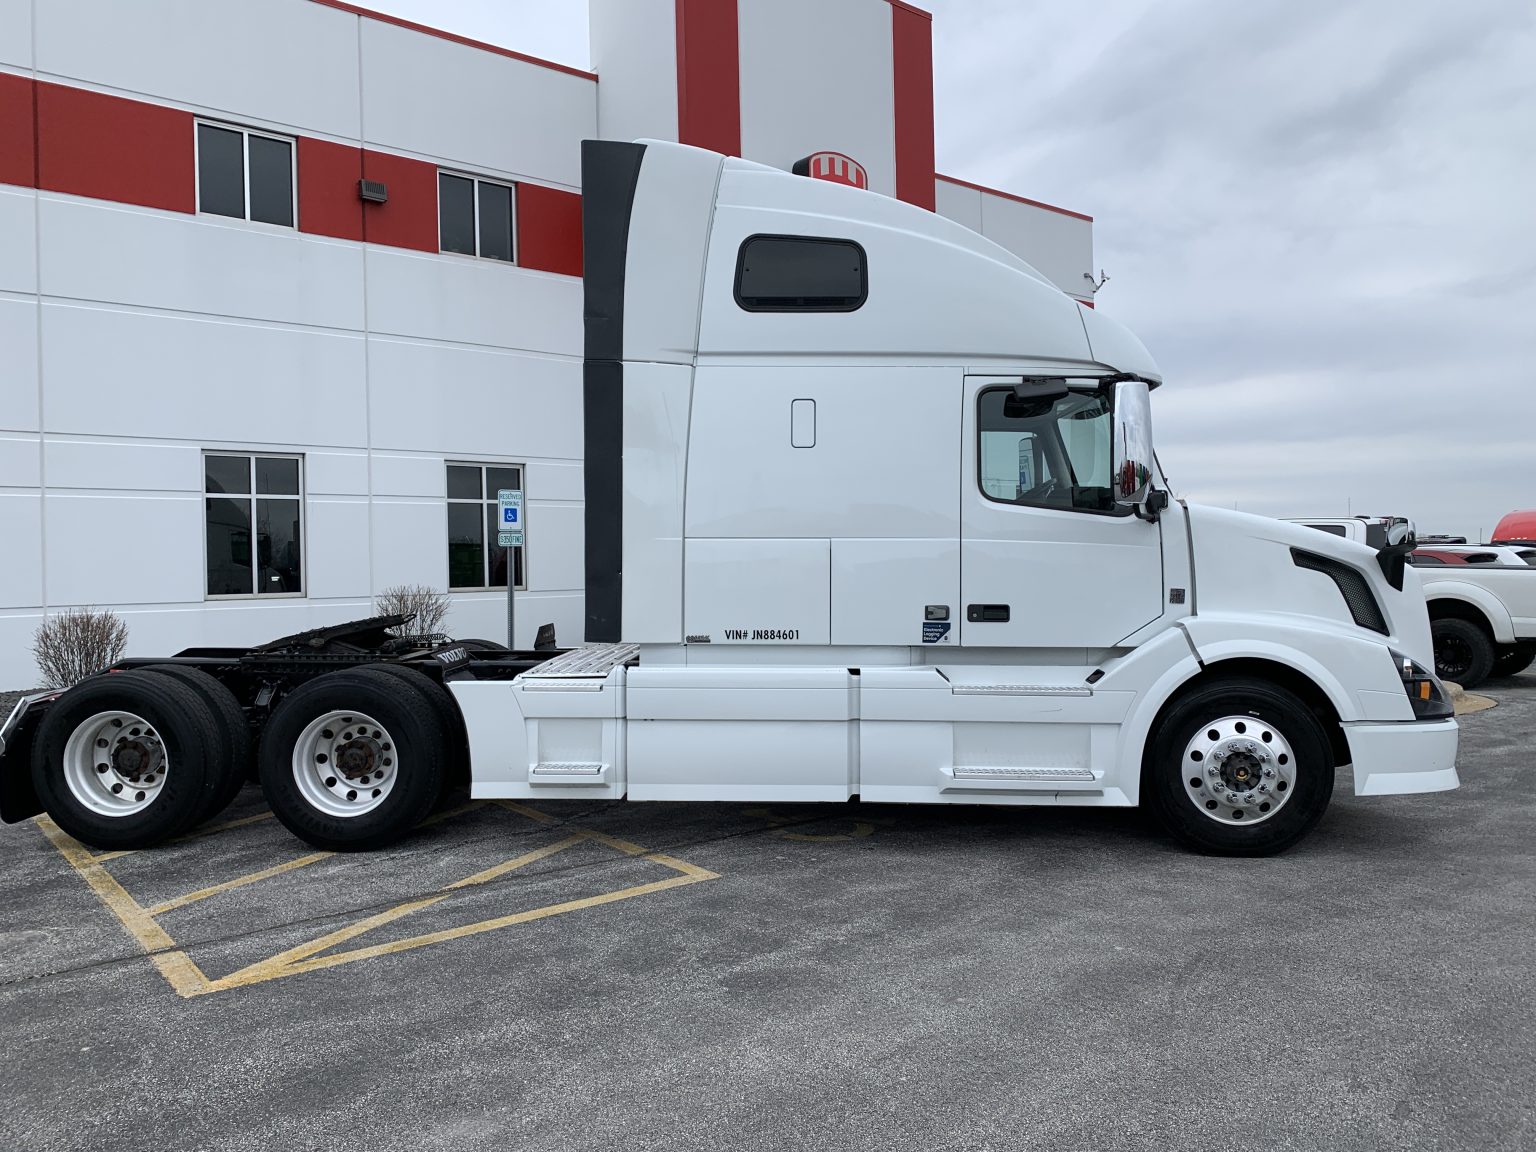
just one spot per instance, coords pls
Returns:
(1047, 560)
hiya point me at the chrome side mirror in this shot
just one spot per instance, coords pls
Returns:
(1133, 449)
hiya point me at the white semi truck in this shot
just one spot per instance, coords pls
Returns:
(871, 512)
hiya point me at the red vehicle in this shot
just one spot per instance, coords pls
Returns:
(1516, 528)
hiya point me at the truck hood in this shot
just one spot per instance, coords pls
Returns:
(1245, 563)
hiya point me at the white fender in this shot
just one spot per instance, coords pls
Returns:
(1487, 603)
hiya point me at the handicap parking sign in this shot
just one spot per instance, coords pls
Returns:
(510, 534)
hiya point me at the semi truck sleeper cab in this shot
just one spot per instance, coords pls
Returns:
(872, 511)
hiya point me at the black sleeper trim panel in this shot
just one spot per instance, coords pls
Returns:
(610, 172)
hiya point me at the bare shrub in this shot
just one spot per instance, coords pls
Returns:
(425, 603)
(77, 643)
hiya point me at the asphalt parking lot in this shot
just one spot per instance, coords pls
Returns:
(733, 976)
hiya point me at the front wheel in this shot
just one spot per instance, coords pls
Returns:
(353, 760)
(1463, 651)
(1239, 767)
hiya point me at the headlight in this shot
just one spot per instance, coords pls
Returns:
(1425, 692)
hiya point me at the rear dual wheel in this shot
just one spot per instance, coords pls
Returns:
(128, 759)
(1514, 659)
(355, 759)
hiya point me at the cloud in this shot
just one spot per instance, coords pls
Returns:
(1318, 217)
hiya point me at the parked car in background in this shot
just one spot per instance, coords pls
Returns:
(1481, 598)
(1516, 528)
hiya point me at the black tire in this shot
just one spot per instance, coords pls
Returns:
(448, 717)
(476, 645)
(231, 768)
(186, 728)
(1463, 651)
(1165, 774)
(1513, 659)
(419, 748)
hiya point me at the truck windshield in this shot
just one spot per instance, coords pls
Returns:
(1046, 453)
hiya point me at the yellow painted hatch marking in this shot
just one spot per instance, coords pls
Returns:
(188, 980)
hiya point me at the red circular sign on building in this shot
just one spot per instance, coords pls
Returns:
(833, 166)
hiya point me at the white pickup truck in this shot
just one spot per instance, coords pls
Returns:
(1482, 601)
(871, 512)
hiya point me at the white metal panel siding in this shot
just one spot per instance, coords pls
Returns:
(410, 542)
(282, 61)
(336, 564)
(959, 203)
(170, 525)
(818, 77)
(1060, 246)
(212, 381)
(473, 403)
(556, 481)
(437, 98)
(21, 462)
(194, 264)
(106, 464)
(21, 576)
(409, 475)
(18, 339)
(556, 546)
(16, 33)
(18, 240)
(336, 473)
(634, 50)
(470, 301)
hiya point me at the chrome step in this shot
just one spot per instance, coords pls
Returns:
(566, 768)
(1043, 774)
(1020, 690)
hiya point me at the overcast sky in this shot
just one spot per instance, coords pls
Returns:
(1321, 219)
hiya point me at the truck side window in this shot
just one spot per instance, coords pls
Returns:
(1048, 454)
(800, 274)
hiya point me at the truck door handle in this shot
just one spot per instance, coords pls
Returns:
(987, 613)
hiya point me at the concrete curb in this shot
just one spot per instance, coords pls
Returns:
(1466, 702)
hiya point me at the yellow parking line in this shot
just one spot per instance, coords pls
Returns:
(176, 966)
(250, 976)
(195, 834)
(238, 882)
(523, 860)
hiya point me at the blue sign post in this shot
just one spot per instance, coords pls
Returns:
(511, 525)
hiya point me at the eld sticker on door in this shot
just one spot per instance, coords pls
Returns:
(935, 632)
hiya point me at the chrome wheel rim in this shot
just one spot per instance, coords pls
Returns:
(345, 763)
(115, 763)
(1239, 770)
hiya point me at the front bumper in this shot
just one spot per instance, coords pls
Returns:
(1391, 759)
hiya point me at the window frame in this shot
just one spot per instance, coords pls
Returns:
(474, 197)
(748, 304)
(487, 502)
(1116, 511)
(251, 456)
(245, 170)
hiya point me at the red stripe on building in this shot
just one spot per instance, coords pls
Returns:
(549, 229)
(455, 38)
(709, 75)
(409, 219)
(91, 144)
(328, 202)
(18, 131)
(912, 47)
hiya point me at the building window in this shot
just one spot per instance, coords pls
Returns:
(245, 174)
(474, 217)
(475, 560)
(254, 518)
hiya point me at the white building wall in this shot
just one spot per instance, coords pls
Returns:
(376, 365)
(1058, 244)
(281, 61)
(846, 102)
(634, 50)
